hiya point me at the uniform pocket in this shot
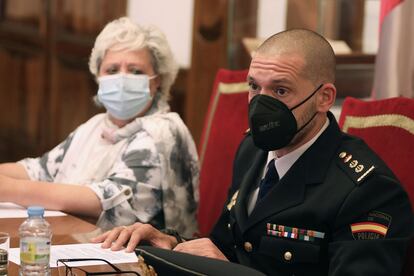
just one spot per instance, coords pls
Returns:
(289, 251)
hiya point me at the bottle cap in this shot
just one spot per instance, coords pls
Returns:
(35, 211)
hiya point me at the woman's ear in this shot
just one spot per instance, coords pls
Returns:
(326, 97)
(155, 85)
(158, 82)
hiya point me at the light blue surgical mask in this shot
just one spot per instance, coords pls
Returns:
(124, 95)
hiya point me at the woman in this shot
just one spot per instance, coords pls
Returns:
(137, 161)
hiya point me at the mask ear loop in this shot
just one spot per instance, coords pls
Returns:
(302, 127)
(153, 77)
(310, 120)
(306, 99)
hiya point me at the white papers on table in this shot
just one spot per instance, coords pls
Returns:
(11, 210)
(81, 250)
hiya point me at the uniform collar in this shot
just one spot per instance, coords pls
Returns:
(284, 163)
(310, 167)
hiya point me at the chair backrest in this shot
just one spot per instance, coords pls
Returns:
(224, 127)
(387, 126)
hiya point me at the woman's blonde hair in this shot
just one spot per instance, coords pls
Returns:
(123, 34)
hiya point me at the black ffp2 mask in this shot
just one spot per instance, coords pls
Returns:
(272, 123)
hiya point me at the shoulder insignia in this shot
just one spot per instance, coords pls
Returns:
(232, 200)
(373, 226)
(247, 131)
(356, 169)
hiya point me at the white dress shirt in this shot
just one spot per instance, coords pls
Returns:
(283, 164)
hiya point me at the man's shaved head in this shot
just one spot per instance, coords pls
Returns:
(313, 48)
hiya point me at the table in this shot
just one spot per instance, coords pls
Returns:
(62, 225)
(66, 230)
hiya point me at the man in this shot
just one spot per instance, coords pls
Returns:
(306, 199)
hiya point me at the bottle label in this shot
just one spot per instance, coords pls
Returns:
(34, 250)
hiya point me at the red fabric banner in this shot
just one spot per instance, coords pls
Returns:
(394, 64)
(386, 7)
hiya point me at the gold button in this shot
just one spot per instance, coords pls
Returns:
(248, 247)
(353, 164)
(287, 256)
(359, 168)
(127, 192)
(347, 158)
(229, 226)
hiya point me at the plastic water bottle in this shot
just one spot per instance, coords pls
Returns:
(35, 237)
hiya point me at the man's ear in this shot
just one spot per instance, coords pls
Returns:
(326, 97)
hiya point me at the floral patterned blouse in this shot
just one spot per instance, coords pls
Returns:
(146, 171)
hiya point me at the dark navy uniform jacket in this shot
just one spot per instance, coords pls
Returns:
(339, 210)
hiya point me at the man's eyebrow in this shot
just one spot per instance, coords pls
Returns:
(282, 81)
(275, 81)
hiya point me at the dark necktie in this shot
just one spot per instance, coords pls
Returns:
(270, 179)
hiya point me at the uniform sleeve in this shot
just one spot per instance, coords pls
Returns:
(46, 167)
(221, 235)
(372, 230)
(132, 191)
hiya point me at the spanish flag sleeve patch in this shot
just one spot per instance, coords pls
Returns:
(369, 227)
(374, 226)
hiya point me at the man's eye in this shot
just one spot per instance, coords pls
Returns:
(280, 91)
(253, 87)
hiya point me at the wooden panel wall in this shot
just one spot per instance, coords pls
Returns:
(46, 89)
(218, 28)
(342, 20)
(45, 86)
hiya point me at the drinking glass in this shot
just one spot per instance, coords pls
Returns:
(4, 251)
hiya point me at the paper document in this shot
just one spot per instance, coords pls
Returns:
(11, 210)
(81, 250)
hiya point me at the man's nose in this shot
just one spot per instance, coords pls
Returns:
(266, 92)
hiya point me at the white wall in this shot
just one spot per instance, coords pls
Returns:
(174, 17)
(370, 35)
(271, 17)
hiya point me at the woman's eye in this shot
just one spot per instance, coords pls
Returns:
(135, 71)
(111, 70)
